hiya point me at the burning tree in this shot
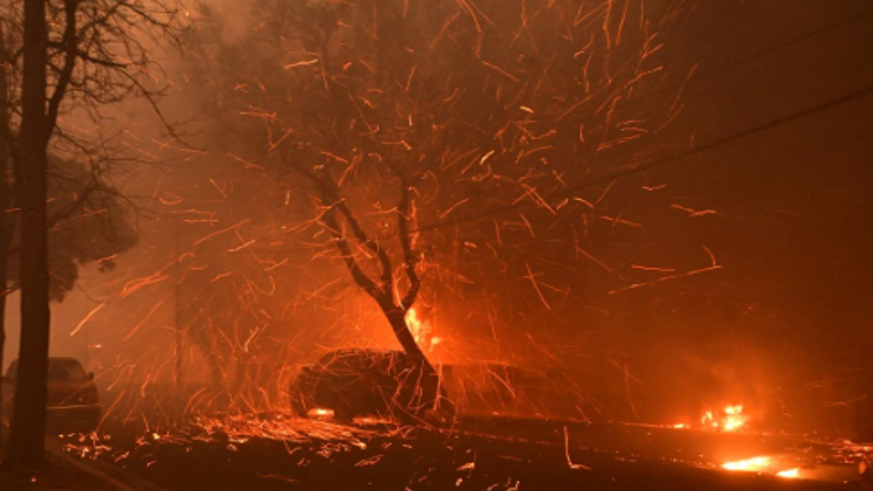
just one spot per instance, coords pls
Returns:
(63, 61)
(401, 120)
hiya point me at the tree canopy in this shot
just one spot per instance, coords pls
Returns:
(410, 131)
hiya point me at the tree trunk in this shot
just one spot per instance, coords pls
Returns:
(26, 449)
(5, 199)
(397, 318)
(429, 378)
(5, 234)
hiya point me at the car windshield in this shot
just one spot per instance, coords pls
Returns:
(59, 369)
(66, 370)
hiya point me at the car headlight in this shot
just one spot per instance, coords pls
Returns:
(320, 413)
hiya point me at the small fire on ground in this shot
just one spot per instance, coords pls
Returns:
(764, 465)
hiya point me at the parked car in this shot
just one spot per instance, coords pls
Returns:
(348, 383)
(361, 382)
(494, 388)
(73, 402)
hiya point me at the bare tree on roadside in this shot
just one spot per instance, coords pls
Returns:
(401, 117)
(74, 58)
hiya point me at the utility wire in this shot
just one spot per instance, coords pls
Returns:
(730, 139)
(661, 162)
(639, 168)
(780, 46)
(676, 87)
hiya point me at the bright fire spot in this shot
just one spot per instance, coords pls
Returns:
(730, 418)
(790, 473)
(680, 426)
(420, 329)
(320, 413)
(756, 464)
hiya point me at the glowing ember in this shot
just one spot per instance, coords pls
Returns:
(756, 464)
(730, 418)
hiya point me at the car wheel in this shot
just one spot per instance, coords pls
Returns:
(344, 414)
(93, 423)
(300, 406)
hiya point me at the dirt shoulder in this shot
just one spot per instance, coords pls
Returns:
(67, 472)
(59, 475)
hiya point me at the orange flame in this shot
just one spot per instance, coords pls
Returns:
(730, 418)
(755, 464)
(762, 464)
(790, 473)
(420, 329)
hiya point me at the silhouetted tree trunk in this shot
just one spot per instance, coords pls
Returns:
(385, 289)
(110, 43)
(5, 198)
(26, 447)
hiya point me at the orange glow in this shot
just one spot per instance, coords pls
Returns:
(730, 418)
(370, 421)
(756, 464)
(790, 473)
(420, 329)
(762, 464)
(320, 413)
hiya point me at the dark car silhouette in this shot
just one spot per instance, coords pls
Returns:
(73, 402)
(502, 389)
(363, 382)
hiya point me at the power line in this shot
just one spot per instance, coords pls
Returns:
(638, 168)
(669, 159)
(785, 44)
(661, 162)
(672, 88)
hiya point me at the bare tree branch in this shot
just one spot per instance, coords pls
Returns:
(66, 72)
(410, 257)
(331, 201)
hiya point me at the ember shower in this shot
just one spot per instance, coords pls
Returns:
(444, 244)
(507, 122)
